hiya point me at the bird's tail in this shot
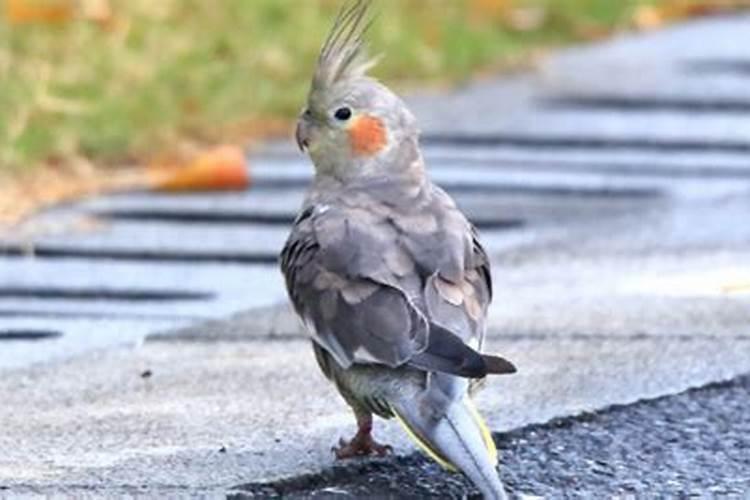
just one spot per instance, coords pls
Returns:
(458, 440)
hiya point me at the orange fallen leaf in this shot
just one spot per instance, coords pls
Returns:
(39, 11)
(493, 9)
(593, 32)
(649, 17)
(222, 168)
(697, 8)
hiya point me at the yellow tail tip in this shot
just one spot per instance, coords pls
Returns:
(486, 434)
(423, 445)
(435, 455)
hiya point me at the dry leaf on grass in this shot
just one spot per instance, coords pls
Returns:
(25, 193)
(21, 194)
(222, 168)
(39, 11)
(58, 11)
(649, 17)
(492, 9)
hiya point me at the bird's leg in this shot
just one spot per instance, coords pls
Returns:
(362, 444)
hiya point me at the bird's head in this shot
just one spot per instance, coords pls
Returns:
(351, 124)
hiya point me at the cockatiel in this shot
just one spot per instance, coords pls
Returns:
(386, 273)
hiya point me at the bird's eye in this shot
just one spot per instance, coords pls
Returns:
(343, 114)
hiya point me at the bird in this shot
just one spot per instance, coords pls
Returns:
(387, 275)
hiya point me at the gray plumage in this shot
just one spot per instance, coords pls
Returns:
(384, 270)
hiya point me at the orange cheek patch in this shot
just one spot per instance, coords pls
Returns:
(367, 136)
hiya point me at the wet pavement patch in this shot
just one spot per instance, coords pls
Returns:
(28, 334)
(194, 215)
(691, 444)
(228, 218)
(615, 166)
(562, 142)
(457, 187)
(739, 67)
(106, 294)
(625, 104)
(128, 255)
(105, 315)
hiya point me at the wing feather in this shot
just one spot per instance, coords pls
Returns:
(330, 263)
(374, 290)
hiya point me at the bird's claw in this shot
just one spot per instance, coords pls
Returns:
(360, 446)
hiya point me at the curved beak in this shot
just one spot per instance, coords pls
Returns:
(302, 134)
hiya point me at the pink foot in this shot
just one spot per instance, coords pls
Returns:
(362, 444)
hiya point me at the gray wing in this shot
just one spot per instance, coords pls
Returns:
(458, 284)
(343, 287)
(378, 286)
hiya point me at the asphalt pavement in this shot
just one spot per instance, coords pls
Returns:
(692, 445)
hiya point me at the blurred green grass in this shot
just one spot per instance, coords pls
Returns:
(159, 72)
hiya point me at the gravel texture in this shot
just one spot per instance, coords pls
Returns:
(695, 444)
